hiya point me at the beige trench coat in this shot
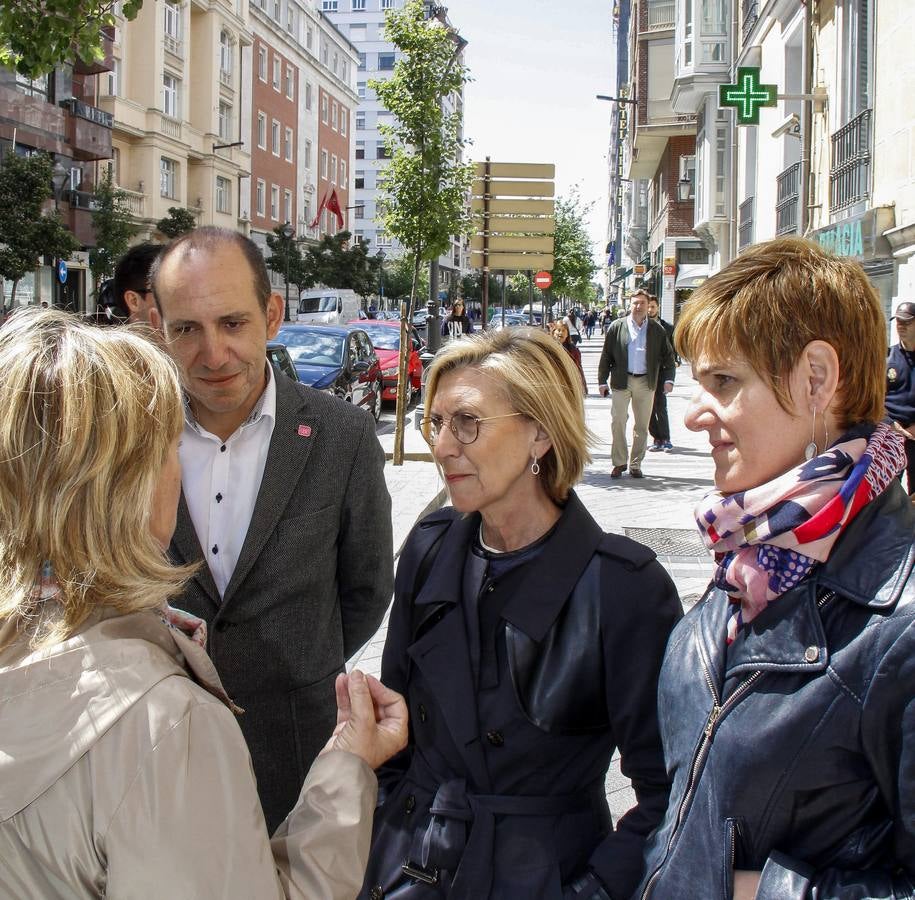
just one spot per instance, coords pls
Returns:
(123, 773)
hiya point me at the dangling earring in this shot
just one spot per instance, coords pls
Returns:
(812, 449)
(535, 467)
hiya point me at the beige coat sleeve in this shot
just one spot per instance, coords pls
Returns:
(191, 824)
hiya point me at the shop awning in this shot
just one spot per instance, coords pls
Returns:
(624, 273)
(690, 275)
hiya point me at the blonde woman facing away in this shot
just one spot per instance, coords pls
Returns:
(123, 770)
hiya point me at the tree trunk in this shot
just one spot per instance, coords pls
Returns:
(13, 294)
(403, 364)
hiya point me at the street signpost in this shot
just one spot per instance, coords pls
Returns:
(518, 223)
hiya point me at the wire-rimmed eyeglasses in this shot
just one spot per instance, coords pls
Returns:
(465, 427)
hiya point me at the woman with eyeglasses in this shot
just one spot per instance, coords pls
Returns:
(528, 645)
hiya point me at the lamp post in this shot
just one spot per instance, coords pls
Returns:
(59, 178)
(288, 232)
(381, 280)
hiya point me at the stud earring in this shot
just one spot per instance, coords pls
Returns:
(812, 449)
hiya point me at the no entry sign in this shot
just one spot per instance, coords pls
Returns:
(543, 280)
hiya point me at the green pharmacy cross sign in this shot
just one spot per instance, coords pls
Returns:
(747, 96)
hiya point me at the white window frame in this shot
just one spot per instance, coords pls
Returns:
(168, 178)
(324, 163)
(360, 89)
(357, 5)
(324, 105)
(287, 205)
(261, 131)
(287, 144)
(360, 119)
(344, 115)
(171, 95)
(262, 64)
(290, 82)
(275, 139)
(343, 174)
(224, 119)
(223, 195)
(114, 78)
(276, 73)
(275, 202)
(333, 168)
(307, 154)
(225, 52)
(260, 198)
(334, 119)
(387, 4)
(329, 5)
(171, 21)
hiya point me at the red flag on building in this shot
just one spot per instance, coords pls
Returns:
(333, 204)
(318, 213)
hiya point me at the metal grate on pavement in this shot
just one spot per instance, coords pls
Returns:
(669, 541)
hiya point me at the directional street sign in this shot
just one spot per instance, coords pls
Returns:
(513, 262)
(62, 271)
(747, 95)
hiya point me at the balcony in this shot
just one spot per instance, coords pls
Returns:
(88, 130)
(83, 200)
(173, 46)
(660, 14)
(95, 67)
(225, 78)
(745, 224)
(134, 203)
(749, 17)
(850, 173)
(171, 127)
(788, 185)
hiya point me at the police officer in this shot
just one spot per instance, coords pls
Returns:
(900, 384)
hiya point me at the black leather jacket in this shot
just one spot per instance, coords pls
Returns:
(793, 752)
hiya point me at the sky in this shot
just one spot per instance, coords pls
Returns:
(535, 67)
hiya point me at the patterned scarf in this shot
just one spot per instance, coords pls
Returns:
(767, 539)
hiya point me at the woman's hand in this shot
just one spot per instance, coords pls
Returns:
(745, 884)
(371, 719)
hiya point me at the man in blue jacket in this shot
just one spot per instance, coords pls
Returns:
(900, 384)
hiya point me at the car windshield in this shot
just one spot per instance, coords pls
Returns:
(383, 338)
(317, 304)
(313, 347)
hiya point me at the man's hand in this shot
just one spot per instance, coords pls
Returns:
(371, 719)
(668, 387)
(604, 390)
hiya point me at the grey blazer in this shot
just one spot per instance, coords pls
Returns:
(312, 582)
(614, 359)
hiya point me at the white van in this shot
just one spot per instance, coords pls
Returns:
(328, 306)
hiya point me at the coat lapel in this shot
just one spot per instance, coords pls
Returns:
(185, 548)
(286, 457)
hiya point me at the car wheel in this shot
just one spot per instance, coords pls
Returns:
(376, 406)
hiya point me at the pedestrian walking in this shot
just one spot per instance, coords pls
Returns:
(527, 642)
(637, 356)
(574, 326)
(284, 509)
(787, 692)
(900, 385)
(457, 323)
(658, 424)
(590, 320)
(124, 771)
(560, 334)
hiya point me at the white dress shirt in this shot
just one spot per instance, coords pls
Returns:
(638, 364)
(221, 481)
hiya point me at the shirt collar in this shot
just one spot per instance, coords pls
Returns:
(636, 329)
(265, 408)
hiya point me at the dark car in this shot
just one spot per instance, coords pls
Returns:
(341, 361)
(386, 340)
(278, 357)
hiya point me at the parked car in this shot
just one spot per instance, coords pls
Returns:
(386, 341)
(341, 361)
(512, 320)
(278, 356)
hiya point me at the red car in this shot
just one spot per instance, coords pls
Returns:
(385, 337)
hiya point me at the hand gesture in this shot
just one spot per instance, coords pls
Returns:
(371, 719)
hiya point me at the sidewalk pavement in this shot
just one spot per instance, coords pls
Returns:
(656, 510)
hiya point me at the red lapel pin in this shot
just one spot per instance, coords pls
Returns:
(304, 430)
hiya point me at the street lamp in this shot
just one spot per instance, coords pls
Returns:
(381, 279)
(684, 189)
(59, 178)
(288, 232)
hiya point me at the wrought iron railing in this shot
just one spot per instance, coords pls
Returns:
(745, 224)
(850, 173)
(661, 14)
(750, 15)
(788, 185)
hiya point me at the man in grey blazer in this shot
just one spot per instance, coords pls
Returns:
(284, 506)
(636, 356)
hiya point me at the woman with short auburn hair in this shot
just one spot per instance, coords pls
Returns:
(527, 642)
(786, 692)
(124, 772)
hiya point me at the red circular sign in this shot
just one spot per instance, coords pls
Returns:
(543, 280)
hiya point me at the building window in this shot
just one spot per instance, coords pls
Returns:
(343, 70)
(359, 211)
(114, 166)
(172, 22)
(359, 180)
(381, 152)
(277, 9)
(329, 5)
(276, 73)
(387, 4)
(287, 145)
(261, 131)
(225, 53)
(287, 206)
(262, 63)
(168, 178)
(324, 108)
(309, 37)
(170, 87)
(361, 62)
(324, 53)
(261, 200)
(307, 95)
(360, 149)
(114, 78)
(324, 164)
(333, 115)
(358, 235)
(383, 239)
(360, 89)
(275, 137)
(360, 120)
(223, 195)
(385, 61)
(343, 174)
(307, 154)
(290, 19)
(290, 82)
(274, 203)
(333, 168)
(225, 119)
(358, 5)
(344, 115)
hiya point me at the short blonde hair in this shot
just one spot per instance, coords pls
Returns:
(87, 417)
(776, 298)
(540, 381)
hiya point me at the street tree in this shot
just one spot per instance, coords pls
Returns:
(113, 228)
(286, 259)
(398, 278)
(178, 221)
(425, 183)
(574, 262)
(36, 36)
(336, 262)
(28, 231)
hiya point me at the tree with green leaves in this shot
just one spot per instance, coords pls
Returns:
(398, 278)
(286, 259)
(425, 183)
(178, 221)
(36, 35)
(113, 227)
(335, 262)
(574, 266)
(28, 231)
